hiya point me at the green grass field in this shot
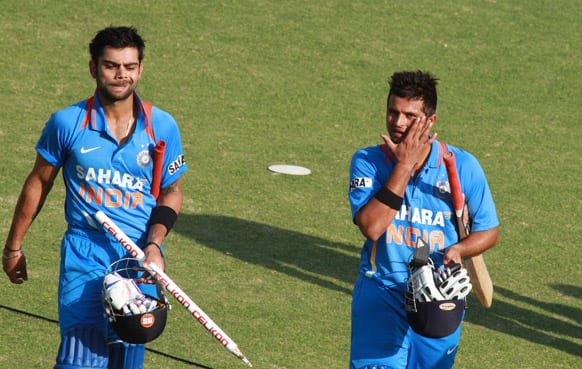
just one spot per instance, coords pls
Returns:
(272, 258)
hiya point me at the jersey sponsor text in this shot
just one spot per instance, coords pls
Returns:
(422, 216)
(110, 177)
(176, 164)
(110, 197)
(408, 235)
(365, 182)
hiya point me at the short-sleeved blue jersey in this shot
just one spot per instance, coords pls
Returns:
(99, 174)
(426, 212)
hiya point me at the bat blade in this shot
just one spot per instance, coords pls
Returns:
(480, 279)
(475, 265)
(172, 288)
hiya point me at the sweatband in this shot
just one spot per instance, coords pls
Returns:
(389, 198)
(164, 215)
(153, 243)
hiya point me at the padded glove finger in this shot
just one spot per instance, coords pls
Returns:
(443, 275)
(456, 286)
(423, 285)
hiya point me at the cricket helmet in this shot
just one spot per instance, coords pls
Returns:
(435, 319)
(435, 302)
(146, 319)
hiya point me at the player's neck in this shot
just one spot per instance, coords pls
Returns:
(118, 110)
(120, 116)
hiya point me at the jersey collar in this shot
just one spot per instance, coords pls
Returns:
(95, 116)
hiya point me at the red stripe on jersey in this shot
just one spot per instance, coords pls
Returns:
(146, 111)
(387, 152)
(89, 107)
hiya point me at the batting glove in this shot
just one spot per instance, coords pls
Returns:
(125, 296)
(454, 283)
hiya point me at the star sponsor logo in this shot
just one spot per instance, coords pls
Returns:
(86, 151)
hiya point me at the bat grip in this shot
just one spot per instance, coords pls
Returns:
(455, 185)
(158, 159)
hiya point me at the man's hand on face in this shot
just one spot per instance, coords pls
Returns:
(414, 145)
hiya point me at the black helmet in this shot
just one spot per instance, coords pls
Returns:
(435, 319)
(141, 327)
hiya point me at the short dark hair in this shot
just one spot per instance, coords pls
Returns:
(116, 37)
(416, 85)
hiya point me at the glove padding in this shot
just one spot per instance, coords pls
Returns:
(124, 295)
(15, 267)
(451, 284)
(454, 283)
(423, 284)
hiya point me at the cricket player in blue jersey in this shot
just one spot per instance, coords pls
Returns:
(103, 145)
(398, 192)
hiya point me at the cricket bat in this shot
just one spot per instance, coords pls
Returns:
(172, 288)
(476, 268)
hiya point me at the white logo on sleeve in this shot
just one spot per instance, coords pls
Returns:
(365, 182)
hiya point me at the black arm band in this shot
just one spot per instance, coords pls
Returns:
(153, 243)
(164, 215)
(389, 198)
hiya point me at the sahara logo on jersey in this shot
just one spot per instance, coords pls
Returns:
(176, 164)
(127, 192)
(110, 177)
(422, 216)
(364, 182)
(424, 223)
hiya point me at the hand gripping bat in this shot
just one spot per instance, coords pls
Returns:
(480, 279)
(171, 287)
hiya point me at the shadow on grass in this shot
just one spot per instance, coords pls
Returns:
(527, 323)
(160, 353)
(316, 260)
(334, 266)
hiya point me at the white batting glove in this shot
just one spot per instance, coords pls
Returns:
(454, 283)
(139, 306)
(123, 294)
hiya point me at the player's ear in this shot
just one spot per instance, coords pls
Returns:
(432, 118)
(93, 69)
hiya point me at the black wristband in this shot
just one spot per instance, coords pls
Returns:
(153, 243)
(164, 215)
(389, 198)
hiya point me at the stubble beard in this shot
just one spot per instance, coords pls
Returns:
(112, 97)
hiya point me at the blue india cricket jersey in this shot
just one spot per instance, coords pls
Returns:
(100, 174)
(426, 212)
